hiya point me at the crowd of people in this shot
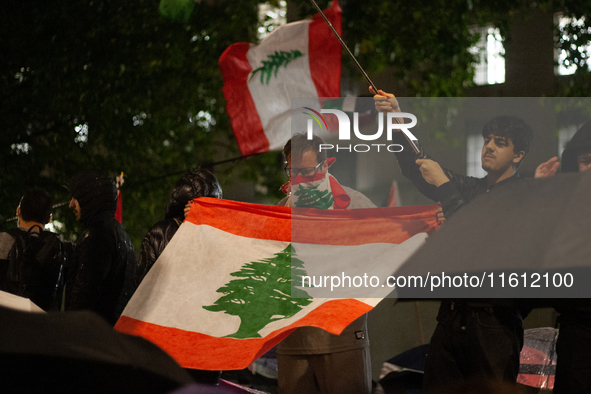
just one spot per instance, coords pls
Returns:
(100, 273)
(474, 338)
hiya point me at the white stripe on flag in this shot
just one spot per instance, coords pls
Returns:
(273, 100)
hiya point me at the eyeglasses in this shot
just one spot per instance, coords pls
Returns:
(305, 171)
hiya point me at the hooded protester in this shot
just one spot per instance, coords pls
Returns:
(194, 184)
(103, 262)
(573, 366)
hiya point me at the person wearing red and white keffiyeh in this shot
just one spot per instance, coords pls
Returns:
(311, 360)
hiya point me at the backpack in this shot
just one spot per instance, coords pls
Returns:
(35, 267)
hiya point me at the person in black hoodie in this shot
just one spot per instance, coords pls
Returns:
(100, 277)
(573, 366)
(195, 183)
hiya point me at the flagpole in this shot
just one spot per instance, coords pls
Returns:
(375, 89)
(345, 46)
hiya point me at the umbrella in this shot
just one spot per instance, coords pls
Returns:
(79, 352)
(538, 358)
(535, 232)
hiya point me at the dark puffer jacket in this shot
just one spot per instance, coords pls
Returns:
(194, 184)
(101, 274)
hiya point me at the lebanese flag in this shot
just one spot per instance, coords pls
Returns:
(220, 295)
(300, 59)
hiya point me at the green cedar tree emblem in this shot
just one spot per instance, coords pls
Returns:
(311, 197)
(264, 293)
(276, 60)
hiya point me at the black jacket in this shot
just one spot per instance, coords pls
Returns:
(153, 245)
(194, 184)
(103, 262)
(35, 266)
(452, 195)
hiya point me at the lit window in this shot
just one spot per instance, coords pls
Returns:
(490, 67)
(568, 28)
(473, 151)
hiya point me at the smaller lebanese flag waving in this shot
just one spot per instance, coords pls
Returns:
(300, 59)
(220, 295)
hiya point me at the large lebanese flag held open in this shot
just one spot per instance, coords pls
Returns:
(220, 294)
(300, 59)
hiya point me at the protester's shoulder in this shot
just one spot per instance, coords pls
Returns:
(462, 179)
(358, 199)
(104, 231)
(159, 231)
(465, 184)
(166, 224)
(6, 242)
(50, 236)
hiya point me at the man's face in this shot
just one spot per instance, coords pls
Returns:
(75, 207)
(306, 161)
(498, 154)
(584, 161)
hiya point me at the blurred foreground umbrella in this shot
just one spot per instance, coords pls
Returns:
(78, 352)
(538, 358)
(540, 229)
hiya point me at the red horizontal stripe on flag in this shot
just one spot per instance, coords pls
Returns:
(316, 226)
(244, 219)
(244, 116)
(200, 351)
(361, 226)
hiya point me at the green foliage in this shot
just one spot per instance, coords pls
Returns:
(177, 10)
(426, 42)
(264, 294)
(146, 89)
